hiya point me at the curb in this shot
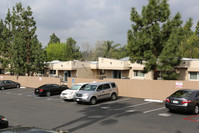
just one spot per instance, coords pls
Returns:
(151, 100)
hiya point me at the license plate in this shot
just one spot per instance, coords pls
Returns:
(175, 101)
(77, 99)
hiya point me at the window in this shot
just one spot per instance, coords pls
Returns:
(194, 75)
(117, 74)
(113, 85)
(138, 73)
(52, 71)
(106, 86)
(102, 72)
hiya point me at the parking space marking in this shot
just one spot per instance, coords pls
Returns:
(164, 114)
(133, 106)
(116, 101)
(105, 107)
(192, 118)
(130, 111)
(154, 110)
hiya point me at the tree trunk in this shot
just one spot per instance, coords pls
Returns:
(155, 74)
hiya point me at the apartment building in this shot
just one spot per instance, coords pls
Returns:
(113, 68)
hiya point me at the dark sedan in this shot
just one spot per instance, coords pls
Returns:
(49, 89)
(185, 100)
(6, 84)
(3, 122)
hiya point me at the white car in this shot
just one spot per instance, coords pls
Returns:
(69, 94)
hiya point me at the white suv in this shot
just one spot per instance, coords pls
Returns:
(70, 93)
(97, 91)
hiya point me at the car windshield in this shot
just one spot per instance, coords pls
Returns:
(182, 93)
(90, 88)
(75, 87)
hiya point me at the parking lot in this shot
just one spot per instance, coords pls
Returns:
(125, 115)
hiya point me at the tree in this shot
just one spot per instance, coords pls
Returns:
(63, 51)
(109, 48)
(55, 51)
(121, 52)
(54, 39)
(189, 41)
(21, 42)
(151, 36)
(72, 50)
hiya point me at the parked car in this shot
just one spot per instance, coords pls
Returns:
(186, 100)
(29, 130)
(69, 94)
(49, 89)
(3, 122)
(97, 91)
(6, 84)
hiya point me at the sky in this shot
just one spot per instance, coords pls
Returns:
(91, 21)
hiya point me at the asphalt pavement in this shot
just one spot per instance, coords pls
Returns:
(125, 115)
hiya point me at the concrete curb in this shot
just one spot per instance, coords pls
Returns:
(151, 100)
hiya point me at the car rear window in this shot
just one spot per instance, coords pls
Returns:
(182, 93)
(113, 85)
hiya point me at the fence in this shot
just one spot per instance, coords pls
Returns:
(150, 89)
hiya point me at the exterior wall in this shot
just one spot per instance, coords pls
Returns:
(85, 72)
(183, 74)
(125, 74)
(151, 89)
(148, 76)
(34, 82)
(112, 64)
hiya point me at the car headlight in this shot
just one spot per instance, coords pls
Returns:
(85, 95)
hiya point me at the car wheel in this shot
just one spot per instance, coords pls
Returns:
(113, 96)
(171, 110)
(2, 88)
(18, 86)
(48, 94)
(196, 109)
(78, 102)
(93, 101)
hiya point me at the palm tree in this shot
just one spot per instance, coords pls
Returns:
(109, 48)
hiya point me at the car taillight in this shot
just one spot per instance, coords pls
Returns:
(167, 100)
(41, 90)
(186, 101)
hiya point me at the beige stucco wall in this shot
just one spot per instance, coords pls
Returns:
(151, 89)
(112, 64)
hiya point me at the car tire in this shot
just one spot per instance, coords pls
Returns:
(48, 94)
(2, 88)
(93, 101)
(196, 109)
(113, 96)
(18, 86)
(171, 110)
(79, 102)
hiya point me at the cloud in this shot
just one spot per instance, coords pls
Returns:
(91, 20)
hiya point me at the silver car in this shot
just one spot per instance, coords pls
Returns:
(97, 91)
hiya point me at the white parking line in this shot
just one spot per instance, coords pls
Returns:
(154, 110)
(133, 106)
(116, 101)
(164, 114)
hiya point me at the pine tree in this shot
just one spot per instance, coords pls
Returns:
(149, 35)
(19, 54)
(54, 39)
